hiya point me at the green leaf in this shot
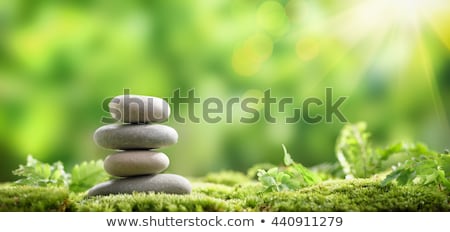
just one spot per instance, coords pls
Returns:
(355, 153)
(444, 180)
(308, 176)
(273, 171)
(86, 175)
(265, 178)
(292, 177)
(406, 176)
(390, 178)
(36, 173)
(444, 165)
(287, 157)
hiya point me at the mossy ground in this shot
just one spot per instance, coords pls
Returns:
(231, 191)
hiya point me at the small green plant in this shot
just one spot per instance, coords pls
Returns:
(292, 176)
(82, 177)
(359, 159)
(355, 153)
(37, 173)
(428, 169)
(417, 164)
(86, 175)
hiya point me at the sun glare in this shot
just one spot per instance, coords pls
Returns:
(397, 31)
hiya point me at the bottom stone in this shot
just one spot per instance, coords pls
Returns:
(159, 183)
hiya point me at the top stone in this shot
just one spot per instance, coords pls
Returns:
(139, 109)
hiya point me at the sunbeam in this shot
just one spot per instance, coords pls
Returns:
(390, 33)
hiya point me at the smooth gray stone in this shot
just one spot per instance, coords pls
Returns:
(139, 109)
(158, 183)
(135, 163)
(135, 136)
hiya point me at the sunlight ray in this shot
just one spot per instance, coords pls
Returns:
(347, 27)
(440, 27)
(432, 85)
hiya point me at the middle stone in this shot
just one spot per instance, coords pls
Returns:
(135, 136)
(135, 163)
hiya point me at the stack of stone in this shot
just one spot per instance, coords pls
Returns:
(136, 164)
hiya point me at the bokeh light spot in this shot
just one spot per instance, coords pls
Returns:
(272, 18)
(248, 56)
(307, 48)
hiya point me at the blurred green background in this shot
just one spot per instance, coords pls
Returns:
(60, 59)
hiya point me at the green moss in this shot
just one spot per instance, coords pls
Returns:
(229, 178)
(357, 195)
(219, 192)
(154, 202)
(33, 199)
